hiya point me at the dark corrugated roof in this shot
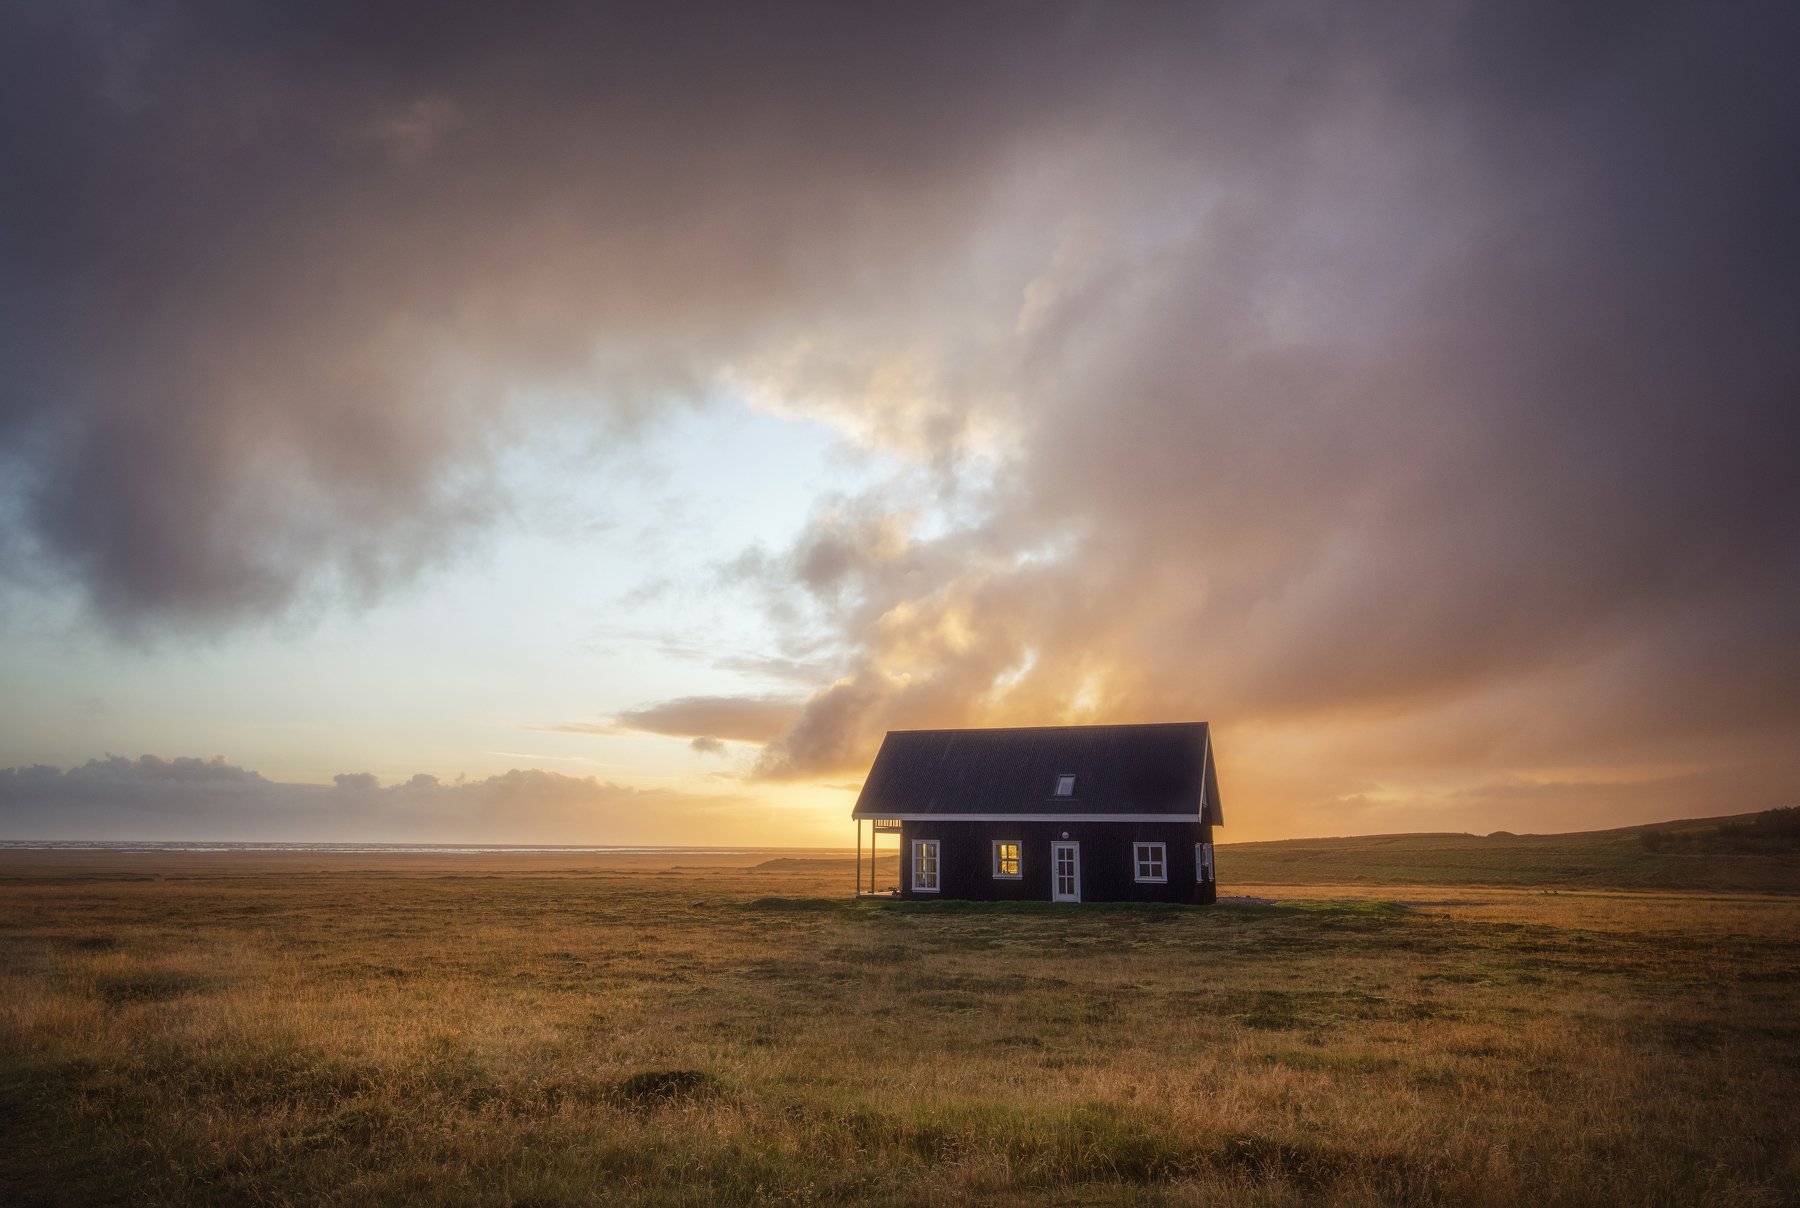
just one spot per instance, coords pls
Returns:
(1163, 768)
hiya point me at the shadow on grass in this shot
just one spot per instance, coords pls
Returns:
(1026, 909)
(656, 1088)
(1096, 1144)
(151, 986)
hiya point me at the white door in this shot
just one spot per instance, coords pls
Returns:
(1065, 872)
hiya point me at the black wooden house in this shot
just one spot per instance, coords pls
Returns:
(1048, 813)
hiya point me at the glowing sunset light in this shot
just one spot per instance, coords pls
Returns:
(605, 426)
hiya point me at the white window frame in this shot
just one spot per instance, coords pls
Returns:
(919, 859)
(1065, 785)
(1161, 861)
(1018, 847)
(1203, 863)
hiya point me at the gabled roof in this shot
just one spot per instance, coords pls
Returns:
(1162, 769)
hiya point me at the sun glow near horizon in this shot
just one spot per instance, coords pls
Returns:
(623, 452)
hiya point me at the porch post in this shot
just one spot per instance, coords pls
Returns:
(859, 855)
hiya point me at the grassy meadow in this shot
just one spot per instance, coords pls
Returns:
(572, 1029)
(1748, 853)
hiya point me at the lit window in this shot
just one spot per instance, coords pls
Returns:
(1006, 859)
(1065, 785)
(1203, 862)
(1152, 862)
(925, 866)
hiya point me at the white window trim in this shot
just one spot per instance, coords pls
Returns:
(1202, 863)
(1137, 864)
(937, 865)
(1009, 876)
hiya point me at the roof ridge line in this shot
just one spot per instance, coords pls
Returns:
(1102, 725)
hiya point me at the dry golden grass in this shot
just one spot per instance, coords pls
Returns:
(561, 1029)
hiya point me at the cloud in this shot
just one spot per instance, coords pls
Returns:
(106, 775)
(278, 290)
(708, 721)
(1447, 430)
(1408, 390)
(755, 719)
(156, 799)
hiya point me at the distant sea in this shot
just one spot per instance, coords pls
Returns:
(426, 848)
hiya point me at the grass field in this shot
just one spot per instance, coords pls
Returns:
(1753, 853)
(553, 1029)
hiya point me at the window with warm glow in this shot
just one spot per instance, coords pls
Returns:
(1006, 859)
(1152, 861)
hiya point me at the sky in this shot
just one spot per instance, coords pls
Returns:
(601, 424)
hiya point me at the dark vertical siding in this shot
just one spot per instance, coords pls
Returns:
(1108, 869)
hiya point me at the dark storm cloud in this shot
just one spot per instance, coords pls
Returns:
(187, 798)
(1415, 380)
(1462, 421)
(280, 280)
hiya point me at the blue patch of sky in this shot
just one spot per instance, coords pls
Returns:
(598, 591)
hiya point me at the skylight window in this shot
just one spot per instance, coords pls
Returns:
(1065, 785)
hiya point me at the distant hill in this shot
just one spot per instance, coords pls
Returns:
(1758, 853)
